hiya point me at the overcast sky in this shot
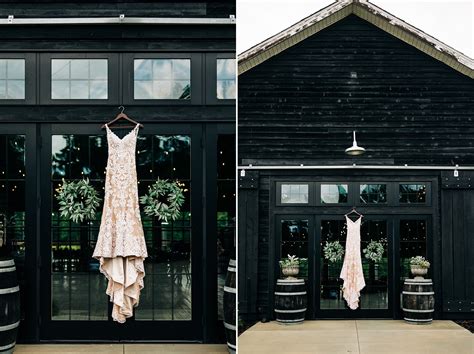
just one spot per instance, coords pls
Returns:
(450, 21)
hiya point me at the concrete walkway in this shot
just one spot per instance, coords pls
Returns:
(357, 336)
(122, 348)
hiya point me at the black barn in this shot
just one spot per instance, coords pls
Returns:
(65, 68)
(410, 98)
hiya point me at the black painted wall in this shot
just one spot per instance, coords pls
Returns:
(303, 104)
(88, 8)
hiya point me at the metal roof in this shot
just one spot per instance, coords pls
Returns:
(367, 11)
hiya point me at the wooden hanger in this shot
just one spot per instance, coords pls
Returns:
(122, 115)
(354, 211)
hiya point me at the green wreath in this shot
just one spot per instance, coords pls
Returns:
(78, 200)
(333, 251)
(164, 200)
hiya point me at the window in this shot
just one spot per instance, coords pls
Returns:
(373, 193)
(294, 193)
(225, 79)
(12, 79)
(162, 79)
(79, 79)
(412, 193)
(413, 237)
(334, 193)
(294, 241)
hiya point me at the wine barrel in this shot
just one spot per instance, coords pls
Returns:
(229, 306)
(418, 301)
(290, 301)
(9, 305)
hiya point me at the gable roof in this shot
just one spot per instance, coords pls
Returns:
(367, 11)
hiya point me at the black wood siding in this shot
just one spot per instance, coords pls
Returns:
(406, 106)
(87, 8)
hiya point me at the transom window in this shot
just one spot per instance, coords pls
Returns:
(226, 79)
(294, 193)
(334, 193)
(412, 193)
(162, 79)
(356, 193)
(12, 79)
(79, 79)
(373, 193)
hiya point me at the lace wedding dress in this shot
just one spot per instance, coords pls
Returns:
(352, 272)
(121, 247)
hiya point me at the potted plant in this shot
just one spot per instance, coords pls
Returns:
(290, 266)
(419, 266)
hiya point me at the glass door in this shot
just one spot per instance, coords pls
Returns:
(375, 298)
(75, 305)
(18, 215)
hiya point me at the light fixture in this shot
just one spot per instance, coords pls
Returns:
(355, 150)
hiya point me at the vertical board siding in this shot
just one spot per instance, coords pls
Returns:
(405, 105)
(457, 250)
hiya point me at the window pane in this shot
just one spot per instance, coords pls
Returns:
(12, 79)
(334, 193)
(294, 193)
(225, 239)
(79, 79)
(413, 236)
(226, 78)
(294, 242)
(412, 193)
(162, 79)
(373, 193)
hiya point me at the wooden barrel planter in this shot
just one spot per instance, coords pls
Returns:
(290, 301)
(229, 306)
(9, 305)
(418, 301)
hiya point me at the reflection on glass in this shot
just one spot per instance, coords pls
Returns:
(413, 236)
(162, 79)
(373, 193)
(12, 206)
(331, 284)
(12, 79)
(412, 193)
(375, 293)
(294, 193)
(225, 212)
(79, 79)
(226, 78)
(334, 193)
(78, 289)
(294, 242)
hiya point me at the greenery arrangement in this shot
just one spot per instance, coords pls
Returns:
(374, 251)
(333, 251)
(419, 261)
(78, 200)
(164, 200)
(290, 261)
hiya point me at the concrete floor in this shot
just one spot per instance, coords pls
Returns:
(122, 348)
(357, 336)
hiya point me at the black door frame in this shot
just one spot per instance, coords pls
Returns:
(394, 213)
(131, 330)
(28, 331)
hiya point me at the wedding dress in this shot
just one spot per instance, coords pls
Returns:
(352, 272)
(121, 247)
